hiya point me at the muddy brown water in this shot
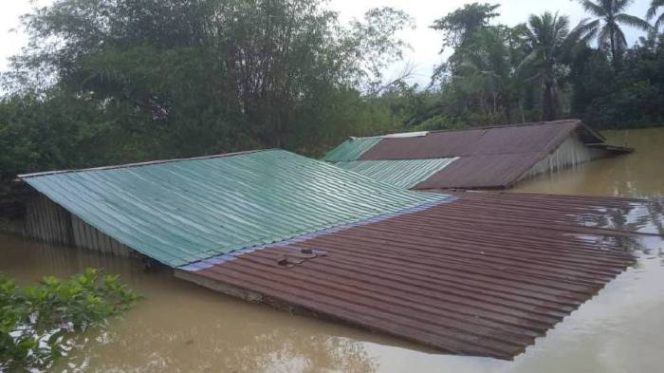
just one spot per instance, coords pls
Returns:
(640, 174)
(180, 327)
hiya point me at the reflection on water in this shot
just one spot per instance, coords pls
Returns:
(640, 175)
(181, 327)
(643, 217)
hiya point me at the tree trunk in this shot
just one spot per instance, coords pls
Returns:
(548, 101)
(614, 55)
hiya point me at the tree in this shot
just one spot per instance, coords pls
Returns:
(605, 98)
(549, 43)
(652, 12)
(172, 78)
(479, 83)
(609, 16)
(457, 28)
(484, 72)
(460, 24)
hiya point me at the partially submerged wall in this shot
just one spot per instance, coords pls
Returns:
(571, 153)
(48, 222)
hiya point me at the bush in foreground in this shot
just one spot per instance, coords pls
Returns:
(38, 324)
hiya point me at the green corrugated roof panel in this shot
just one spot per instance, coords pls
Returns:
(402, 173)
(351, 149)
(181, 211)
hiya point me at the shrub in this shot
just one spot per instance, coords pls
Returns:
(39, 323)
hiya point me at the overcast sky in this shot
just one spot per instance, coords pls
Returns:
(425, 42)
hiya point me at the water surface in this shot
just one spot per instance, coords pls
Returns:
(640, 174)
(181, 327)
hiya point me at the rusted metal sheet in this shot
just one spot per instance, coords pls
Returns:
(483, 275)
(491, 157)
(482, 171)
(532, 138)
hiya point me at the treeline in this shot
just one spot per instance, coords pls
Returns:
(109, 81)
(546, 68)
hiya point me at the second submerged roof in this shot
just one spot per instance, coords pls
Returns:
(488, 157)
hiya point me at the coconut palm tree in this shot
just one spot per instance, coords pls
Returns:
(652, 12)
(609, 16)
(549, 43)
(482, 67)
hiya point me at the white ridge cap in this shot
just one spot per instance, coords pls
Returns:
(406, 134)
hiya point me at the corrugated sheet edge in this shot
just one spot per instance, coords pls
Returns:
(219, 259)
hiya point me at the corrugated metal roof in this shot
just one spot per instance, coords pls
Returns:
(481, 275)
(402, 173)
(536, 137)
(185, 210)
(482, 171)
(491, 157)
(351, 149)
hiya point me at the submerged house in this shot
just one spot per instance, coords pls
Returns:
(472, 274)
(477, 158)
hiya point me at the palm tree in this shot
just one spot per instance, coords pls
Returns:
(483, 68)
(652, 11)
(549, 42)
(609, 16)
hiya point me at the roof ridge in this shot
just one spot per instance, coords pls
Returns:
(510, 125)
(487, 127)
(144, 163)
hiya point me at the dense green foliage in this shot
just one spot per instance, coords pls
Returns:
(107, 81)
(111, 81)
(545, 69)
(39, 323)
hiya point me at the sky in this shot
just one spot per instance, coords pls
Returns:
(424, 42)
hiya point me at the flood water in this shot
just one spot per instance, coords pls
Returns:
(180, 327)
(640, 174)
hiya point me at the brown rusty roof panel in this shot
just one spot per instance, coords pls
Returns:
(490, 157)
(525, 139)
(482, 171)
(483, 275)
(433, 145)
(533, 138)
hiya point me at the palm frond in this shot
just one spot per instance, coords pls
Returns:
(654, 7)
(561, 27)
(594, 9)
(531, 60)
(581, 35)
(535, 21)
(620, 5)
(633, 21)
(620, 39)
(529, 35)
(604, 38)
(584, 28)
(587, 38)
(659, 22)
